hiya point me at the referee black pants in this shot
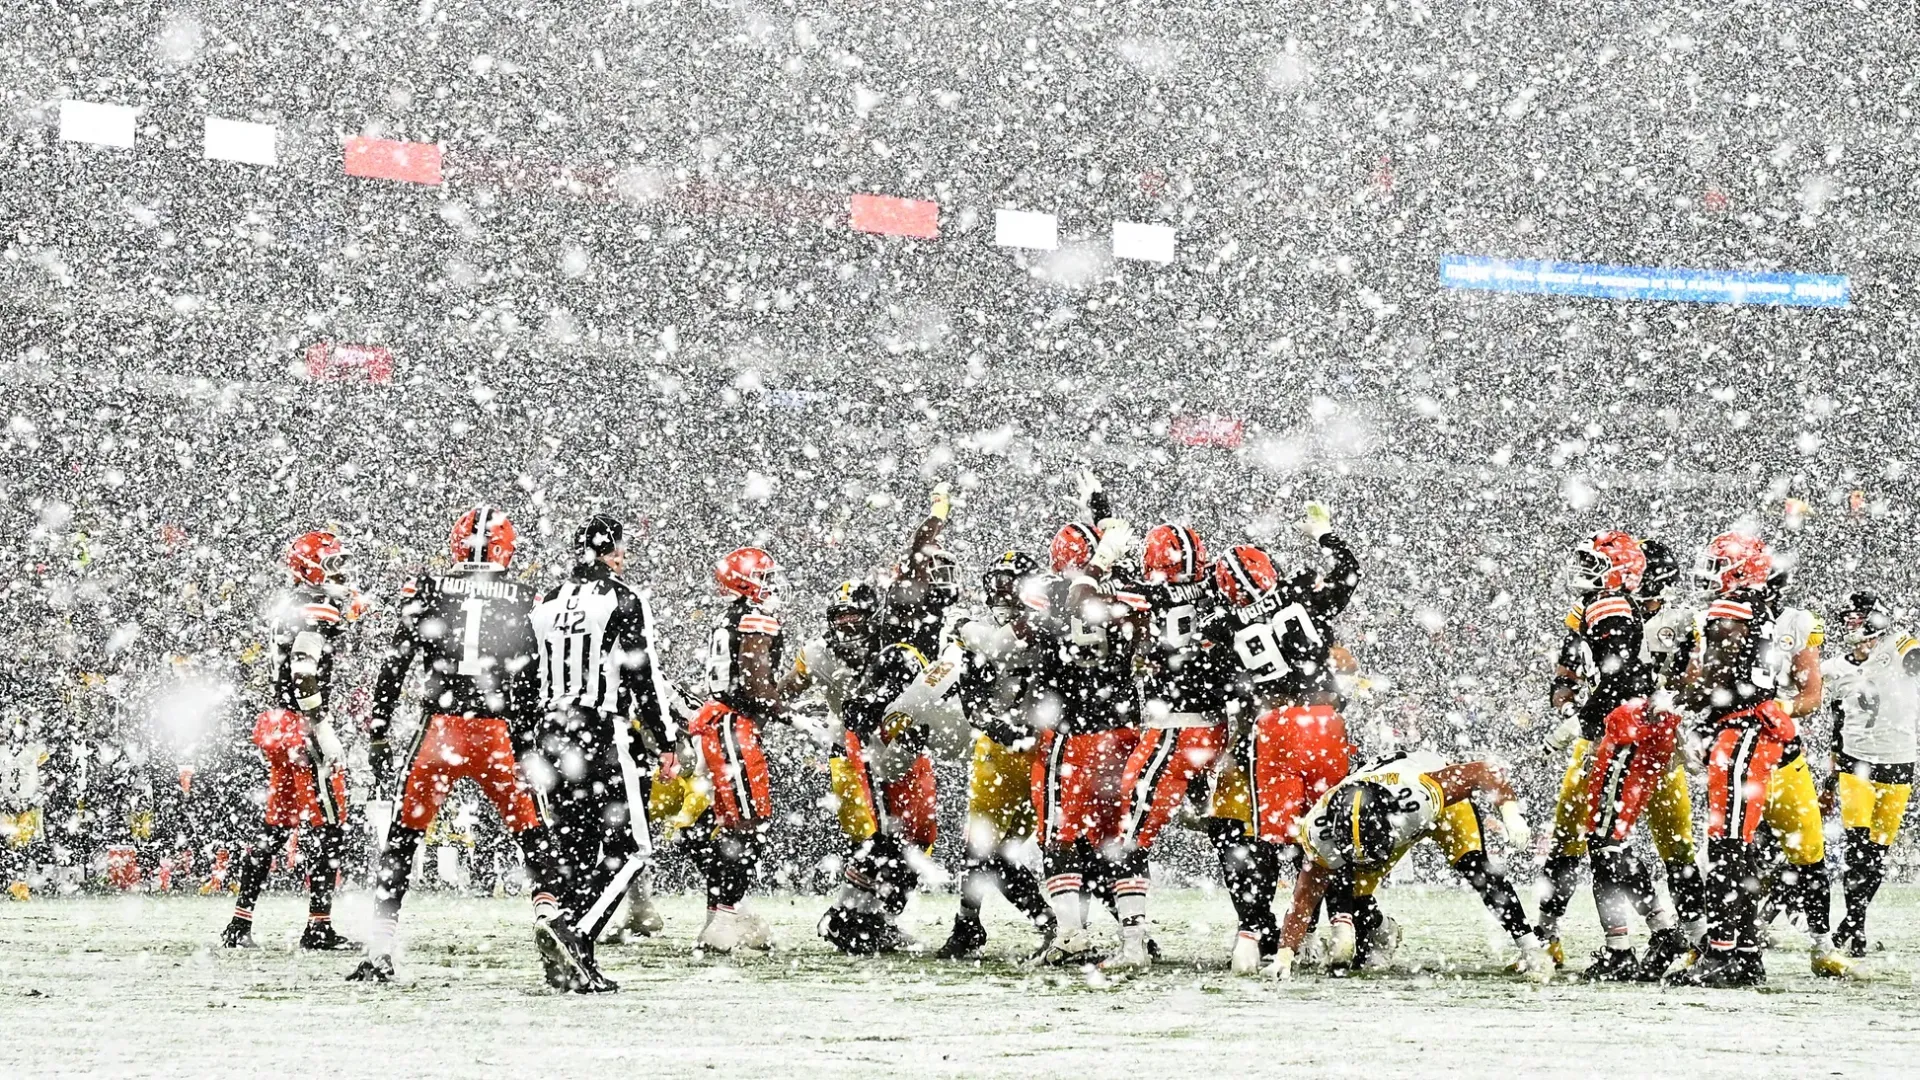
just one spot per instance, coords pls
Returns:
(592, 795)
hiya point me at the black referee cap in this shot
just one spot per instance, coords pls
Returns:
(601, 535)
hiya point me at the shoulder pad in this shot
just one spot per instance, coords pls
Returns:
(1730, 609)
(320, 611)
(1607, 608)
(758, 622)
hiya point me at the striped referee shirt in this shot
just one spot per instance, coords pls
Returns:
(597, 651)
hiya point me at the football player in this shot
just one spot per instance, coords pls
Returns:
(306, 781)
(1279, 629)
(1633, 757)
(1753, 651)
(1875, 707)
(1360, 828)
(743, 681)
(1183, 715)
(993, 691)
(1667, 643)
(1085, 708)
(470, 628)
(886, 778)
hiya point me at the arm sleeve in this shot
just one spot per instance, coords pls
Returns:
(633, 647)
(1100, 505)
(926, 538)
(1342, 579)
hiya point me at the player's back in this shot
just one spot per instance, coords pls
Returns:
(1283, 641)
(476, 642)
(302, 611)
(1184, 673)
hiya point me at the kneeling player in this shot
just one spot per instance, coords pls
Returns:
(470, 626)
(306, 785)
(1357, 831)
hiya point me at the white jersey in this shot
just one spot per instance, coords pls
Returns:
(833, 676)
(1877, 701)
(1793, 629)
(1665, 642)
(1416, 798)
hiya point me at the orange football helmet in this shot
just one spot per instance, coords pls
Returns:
(1733, 561)
(747, 572)
(1606, 560)
(1072, 547)
(1245, 574)
(317, 558)
(1173, 553)
(483, 534)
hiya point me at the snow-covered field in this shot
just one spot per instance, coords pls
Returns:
(135, 987)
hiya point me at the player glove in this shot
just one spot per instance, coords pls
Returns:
(1087, 484)
(1515, 823)
(1281, 966)
(942, 500)
(1318, 522)
(1116, 536)
(1563, 733)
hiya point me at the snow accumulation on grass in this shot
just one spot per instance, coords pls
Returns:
(138, 987)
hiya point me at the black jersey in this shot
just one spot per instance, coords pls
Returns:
(743, 660)
(302, 624)
(1606, 653)
(470, 628)
(1084, 677)
(1283, 639)
(1184, 674)
(1740, 665)
(995, 687)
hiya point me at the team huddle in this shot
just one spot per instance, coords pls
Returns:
(1124, 683)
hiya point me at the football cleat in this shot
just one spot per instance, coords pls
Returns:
(320, 936)
(1133, 954)
(237, 935)
(593, 982)
(1663, 949)
(1382, 943)
(1245, 959)
(966, 940)
(1071, 949)
(1536, 963)
(20, 891)
(1342, 943)
(377, 969)
(1831, 963)
(1722, 969)
(1612, 965)
(561, 952)
(729, 930)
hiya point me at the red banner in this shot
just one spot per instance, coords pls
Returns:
(890, 216)
(331, 362)
(389, 159)
(1224, 431)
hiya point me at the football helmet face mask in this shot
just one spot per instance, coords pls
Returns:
(1072, 547)
(1245, 574)
(1733, 561)
(1002, 584)
(1662, 571)
(601, 539)
(852, 621)
(1864, 621)
(1173, 554)
(750, 573)
(483, 535)
(1607, 560)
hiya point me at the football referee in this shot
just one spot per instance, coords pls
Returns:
(604, 709)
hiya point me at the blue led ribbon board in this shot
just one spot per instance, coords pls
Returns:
(1643, 282)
